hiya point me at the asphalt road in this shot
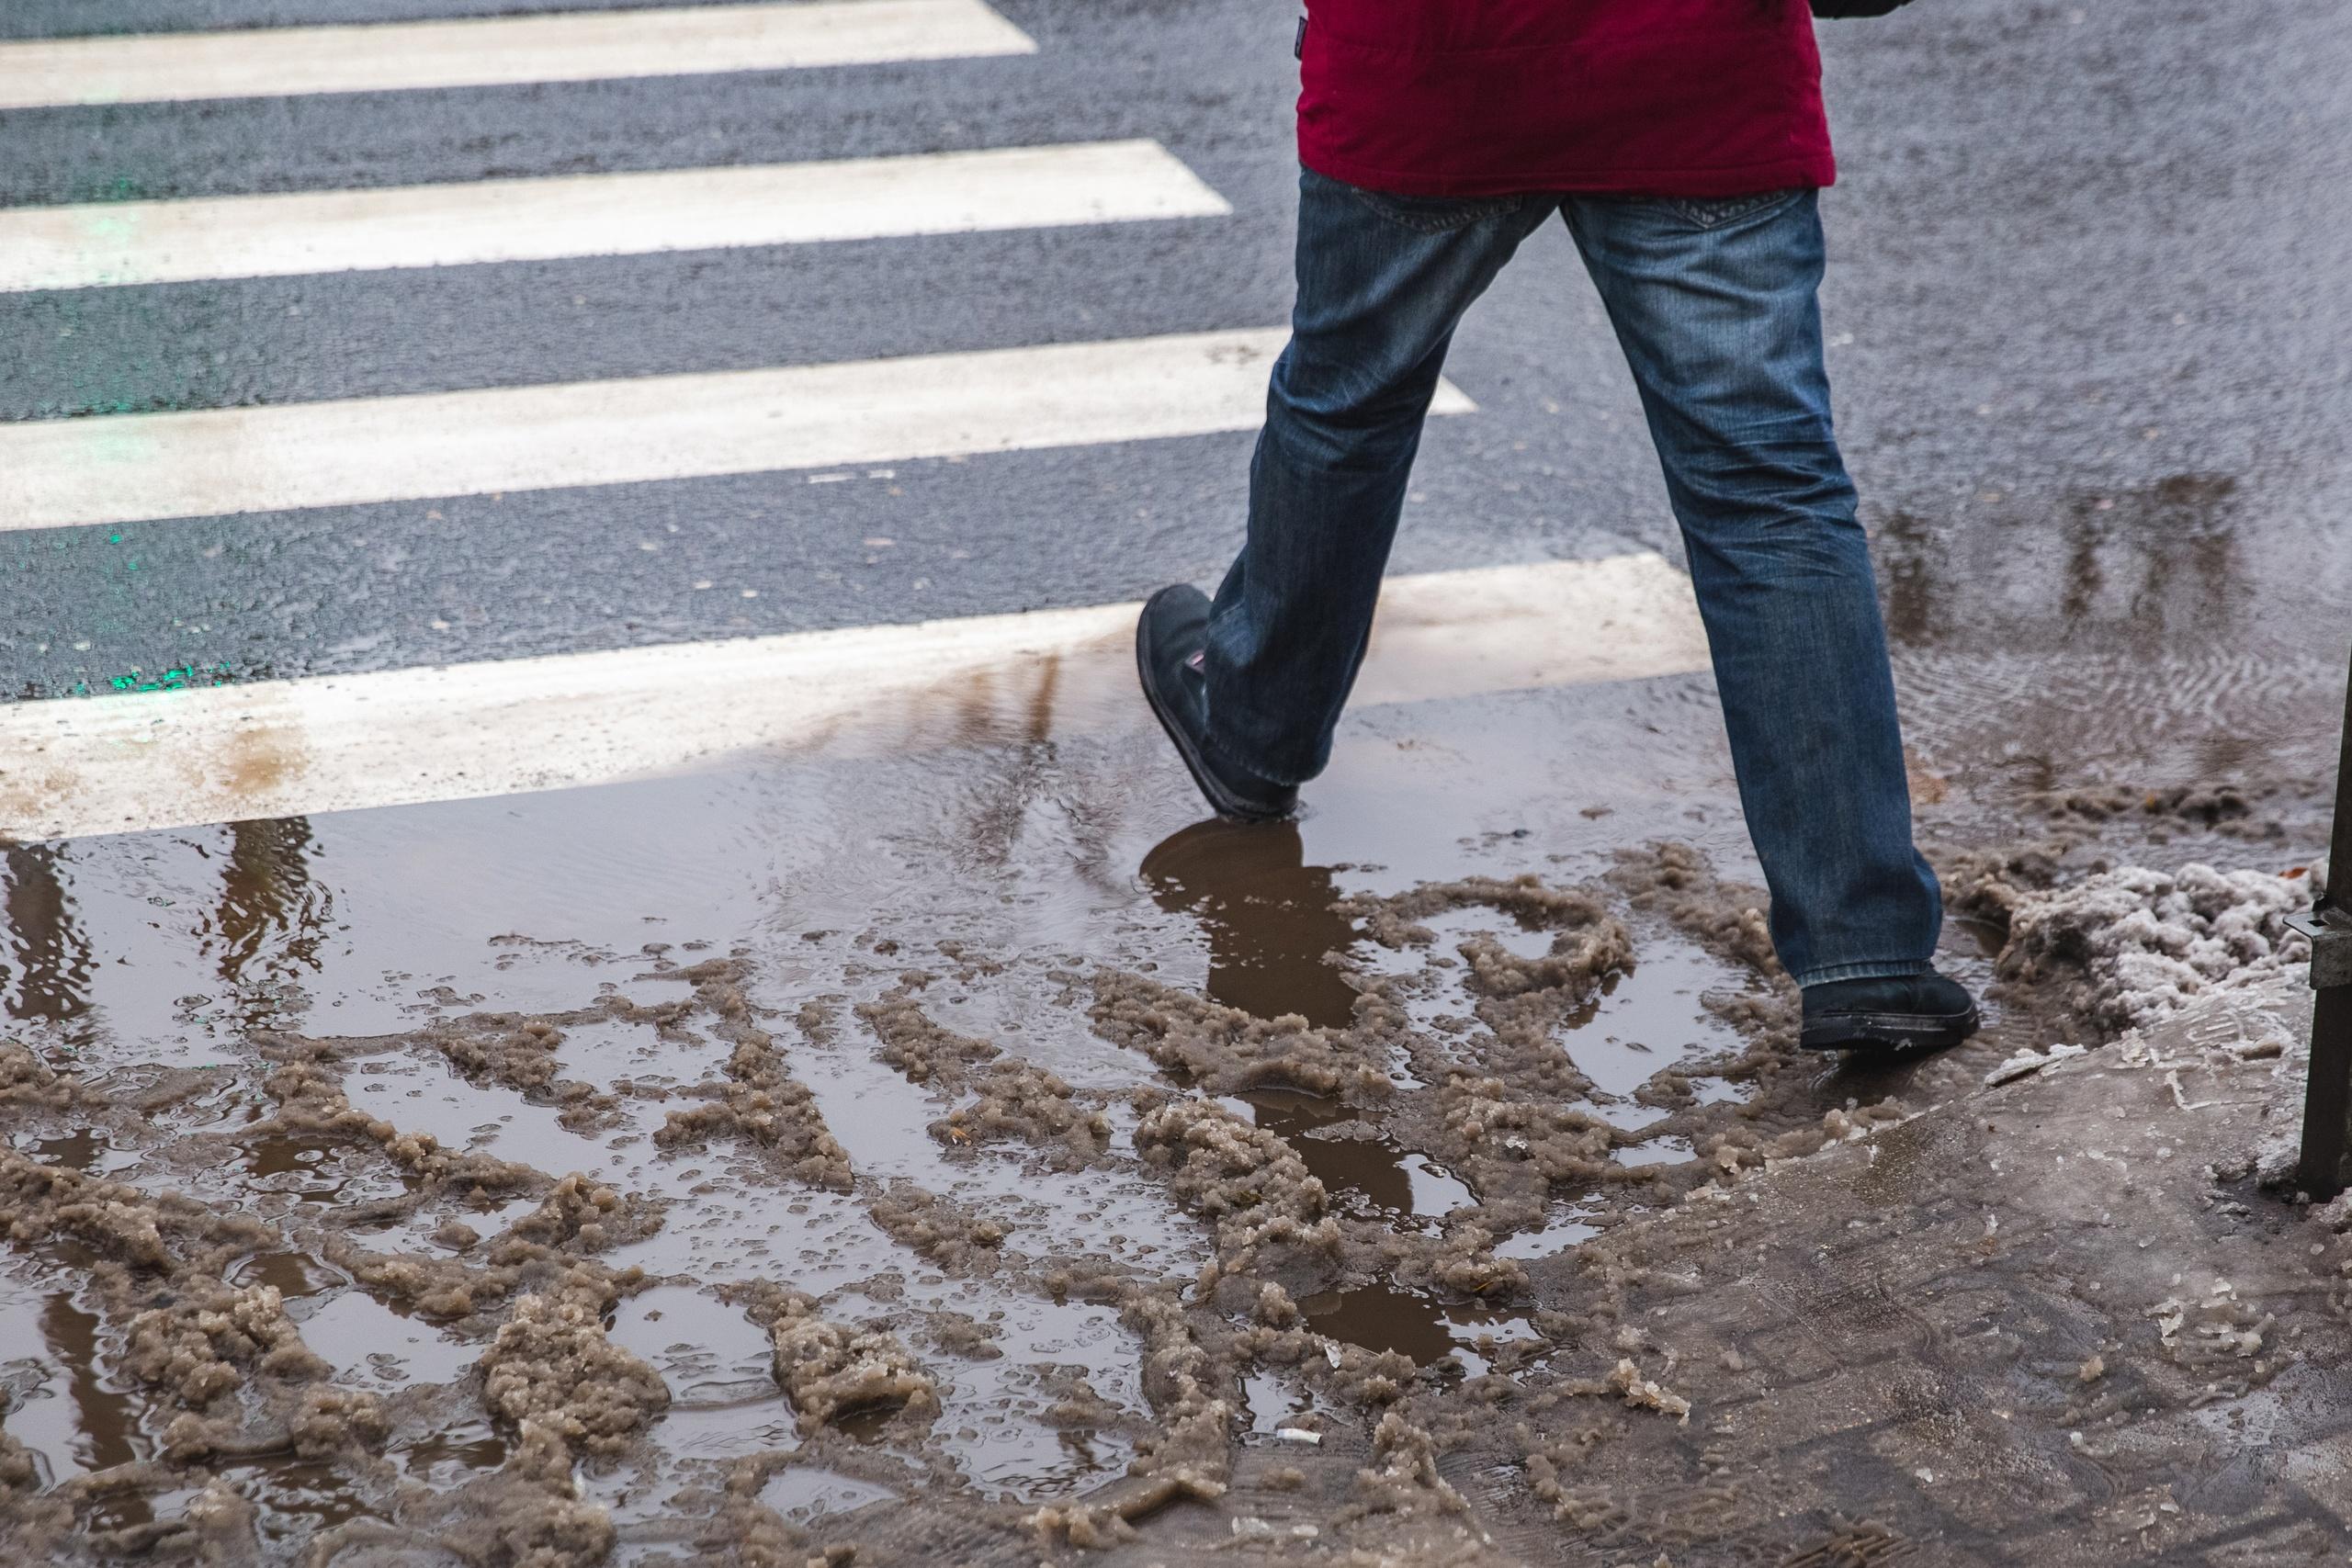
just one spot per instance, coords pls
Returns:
(2089, 303)
(2088, 311)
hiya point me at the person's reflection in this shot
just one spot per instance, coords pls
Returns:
(271, 918)
(1268, 916)
(265, 891)
(52, 957)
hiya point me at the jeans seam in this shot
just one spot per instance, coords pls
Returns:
(1468, 211)
(1209, 742)
(1866, 969)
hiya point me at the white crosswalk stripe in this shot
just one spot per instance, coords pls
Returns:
(145, 468)
(116, 243)
(497, 52)
(169, 758)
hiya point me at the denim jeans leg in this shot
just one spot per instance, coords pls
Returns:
(1382, 282)
(1714, 303)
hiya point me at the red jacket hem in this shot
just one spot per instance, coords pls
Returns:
(1743, 179)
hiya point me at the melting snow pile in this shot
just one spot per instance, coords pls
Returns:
(2137, 945)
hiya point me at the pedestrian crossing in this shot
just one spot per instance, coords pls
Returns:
(117, 243)
(582, 46)
(125, 762)
(149, 468)
(177, 758)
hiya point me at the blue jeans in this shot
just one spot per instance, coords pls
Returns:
(1714, 303)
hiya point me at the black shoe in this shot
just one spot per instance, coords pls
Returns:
(1901, 1012)
(1169, 640)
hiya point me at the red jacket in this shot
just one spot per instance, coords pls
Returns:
(1490, 98)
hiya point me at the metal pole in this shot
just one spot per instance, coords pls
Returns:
(2327, 1099)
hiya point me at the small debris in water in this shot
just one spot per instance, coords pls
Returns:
(1644, 1393)
(2026, 1061)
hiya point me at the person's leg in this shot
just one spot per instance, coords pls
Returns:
(1382, 282)
(1714, 305)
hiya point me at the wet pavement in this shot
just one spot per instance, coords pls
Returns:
(446, 1182)
(561, 983)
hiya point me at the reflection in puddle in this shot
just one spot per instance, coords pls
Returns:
(84, 1149)
(308, 1169)
(295, 1499)
(991, 1419)
(815, 1238)
(1268, 916)
(1385, 1317)
(296, 1274)
(708, 1352)
(864, 1423)
(129, 1509)
(447, 1457)
(369, 1344)
(754, 1425)
(804, 1494)
(429, 1097)
(1656, 1151)
(48, 975)
(71, 1415)
(105, 1418)
(1643, 1019)
(1275, 1398)
(1373, 1169)
(1567, 1225)
(1650, 1018)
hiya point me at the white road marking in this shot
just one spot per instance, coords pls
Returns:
(579, 46)
(74, 767)
(120, 242)
(114, 469)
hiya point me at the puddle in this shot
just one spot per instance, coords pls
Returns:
(1375, 1170)
(1642, 1021)
(708, 1352)
(73, 1416)
(991, 1412)
(1564, 1227)
(883, 1122)
(806, 1494)
(84, 1149)
(1385, 1317)
(129, 1509)
(295, 1499)
(730, 1234)
(1276, 1399)
(370, 1344)
(1045, 862)
(1267, 916)
(308, 1170)
(762, 1424)
(420, 1096)
(1656, 1151)
(1651, 1018)
(296, 1274)
(448, 1457)
(602, 1053)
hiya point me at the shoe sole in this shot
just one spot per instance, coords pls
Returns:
(1222, 800)
(1888, 1031)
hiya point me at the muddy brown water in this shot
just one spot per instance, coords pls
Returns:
(155, 968)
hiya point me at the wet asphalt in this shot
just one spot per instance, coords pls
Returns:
(2089, 324)
(2087, 301)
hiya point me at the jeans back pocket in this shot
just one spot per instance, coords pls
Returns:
(1436, 214)
(1714, 211)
